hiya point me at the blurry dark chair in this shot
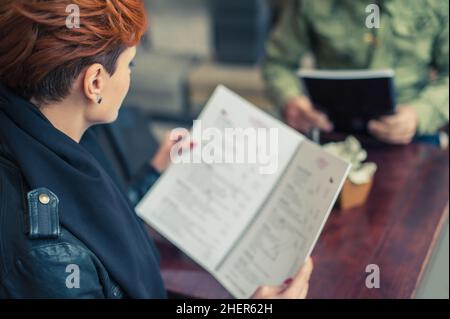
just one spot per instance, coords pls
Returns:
(240, 29)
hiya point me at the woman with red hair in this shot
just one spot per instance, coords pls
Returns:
(66, 228)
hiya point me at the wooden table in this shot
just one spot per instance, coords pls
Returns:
(396, 229)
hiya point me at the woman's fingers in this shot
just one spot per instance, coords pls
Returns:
(304, 291)
(293, 288)
(299, 286)
(267, 292)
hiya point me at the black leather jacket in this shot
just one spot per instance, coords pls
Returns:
(35, 250)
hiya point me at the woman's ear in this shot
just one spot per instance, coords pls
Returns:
(94, 83)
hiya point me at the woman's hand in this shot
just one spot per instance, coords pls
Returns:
(162, 158)
(292, 288)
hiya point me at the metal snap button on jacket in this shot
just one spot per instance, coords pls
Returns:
(44, 199)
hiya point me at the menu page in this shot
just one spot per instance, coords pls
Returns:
(203, 203)
(283, 234)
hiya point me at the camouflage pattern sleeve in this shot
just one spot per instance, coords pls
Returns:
(432, 106)
(287, 44)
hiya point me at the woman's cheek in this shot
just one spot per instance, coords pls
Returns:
(126, 84)
(122, 88)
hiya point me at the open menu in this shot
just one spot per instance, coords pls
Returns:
(250, 222)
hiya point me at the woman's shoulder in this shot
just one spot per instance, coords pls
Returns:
(39, 258)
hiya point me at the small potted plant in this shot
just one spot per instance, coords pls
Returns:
(359, 182)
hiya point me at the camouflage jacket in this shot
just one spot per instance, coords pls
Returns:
(412, 39)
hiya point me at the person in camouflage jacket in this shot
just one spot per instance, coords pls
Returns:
(412, 39)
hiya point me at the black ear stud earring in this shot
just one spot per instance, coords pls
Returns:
(99, 100)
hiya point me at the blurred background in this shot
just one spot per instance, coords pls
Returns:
(194, 45)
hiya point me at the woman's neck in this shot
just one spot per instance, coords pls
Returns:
(67, 118)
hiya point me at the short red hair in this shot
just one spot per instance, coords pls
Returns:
(40, 56)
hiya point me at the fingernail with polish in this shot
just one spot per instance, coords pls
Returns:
(288, 281)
